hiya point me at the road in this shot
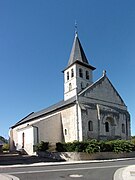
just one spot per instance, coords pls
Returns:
(85, 171)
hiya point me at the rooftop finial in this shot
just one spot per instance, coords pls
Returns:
(76, 27)
(104, 72)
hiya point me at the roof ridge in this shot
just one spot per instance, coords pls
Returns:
(98, 81)
(25, 117)
(93, 84)
(45, 111)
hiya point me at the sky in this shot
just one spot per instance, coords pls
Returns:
(36, 38)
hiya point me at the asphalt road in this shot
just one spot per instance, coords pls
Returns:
(85, 171)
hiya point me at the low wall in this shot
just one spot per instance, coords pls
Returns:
(78, 156)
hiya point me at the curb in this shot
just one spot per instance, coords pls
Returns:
(64, 163)
(118, 174)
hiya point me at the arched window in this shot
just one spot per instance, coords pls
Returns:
(65, 131)
(80, 72)
(70, 86)
(106, 126)
(90, 126)
(67, 76)
(87, 75)
(23, 136)
(123, 128)
(72, 73)
(82, 86)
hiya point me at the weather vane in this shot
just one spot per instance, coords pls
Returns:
(76, 27)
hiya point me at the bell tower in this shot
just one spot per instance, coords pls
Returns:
(78, 73)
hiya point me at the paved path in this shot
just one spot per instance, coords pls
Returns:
(127, 173)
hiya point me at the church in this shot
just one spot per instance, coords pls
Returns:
(90, 110)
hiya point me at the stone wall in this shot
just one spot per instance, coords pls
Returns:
(80, 156)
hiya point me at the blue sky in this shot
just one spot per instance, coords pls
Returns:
(36, 37)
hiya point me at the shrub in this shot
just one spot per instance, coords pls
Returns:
(60, 147)
(93, 146)
(106, 146)
(5, 147)
(133, 139)
(76, 146)
(43, 146)
(123, 146)
(116, 146)
(81, 146)
(69, 147)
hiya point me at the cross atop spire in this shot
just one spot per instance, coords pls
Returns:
(77, 54)
(76, 31)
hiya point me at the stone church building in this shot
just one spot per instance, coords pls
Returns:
(89, 110)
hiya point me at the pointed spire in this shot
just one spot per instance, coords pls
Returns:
(77, 53)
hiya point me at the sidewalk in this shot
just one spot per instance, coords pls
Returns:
(8, 177)
(127, 173)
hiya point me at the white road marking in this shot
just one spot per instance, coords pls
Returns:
(60, 170)
(75, 175)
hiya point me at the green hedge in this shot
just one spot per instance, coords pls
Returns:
(117, 146)
(86, 146)
(71, 147)
(43, 146)
(5, 147)
(93, 146)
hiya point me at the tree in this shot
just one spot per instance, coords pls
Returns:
(3, 140)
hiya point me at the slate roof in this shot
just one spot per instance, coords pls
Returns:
(62, 104)
(55, 107)
(77, 54)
